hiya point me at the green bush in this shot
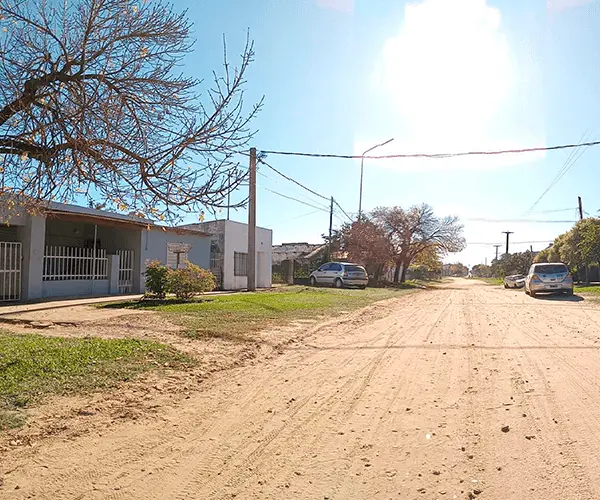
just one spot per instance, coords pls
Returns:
(156, 279)
(189, 281)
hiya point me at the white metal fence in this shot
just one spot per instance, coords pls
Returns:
(73, 263)
(126, 268)
(10, 271)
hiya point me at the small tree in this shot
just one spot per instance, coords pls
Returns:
(189, 281)
(156, 279)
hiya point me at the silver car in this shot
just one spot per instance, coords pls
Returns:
(553, 277)
(514, 281)
(339, 275)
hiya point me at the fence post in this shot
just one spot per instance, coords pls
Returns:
(113, 274)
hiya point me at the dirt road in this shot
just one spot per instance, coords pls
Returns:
(468, 391)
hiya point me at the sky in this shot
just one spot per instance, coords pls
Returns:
(340, 76)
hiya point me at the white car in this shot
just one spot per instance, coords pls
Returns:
(514, 281)
(340, 275)
(553, 277)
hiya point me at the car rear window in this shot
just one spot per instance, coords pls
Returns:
(551, 269)
(354, 268)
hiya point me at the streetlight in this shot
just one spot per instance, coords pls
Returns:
(362, 161)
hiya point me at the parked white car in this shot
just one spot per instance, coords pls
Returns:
(553, 277)
(340, 275)
(514, 281)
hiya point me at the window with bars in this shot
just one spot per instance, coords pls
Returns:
(240, 264)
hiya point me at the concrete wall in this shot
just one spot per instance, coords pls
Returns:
(154, 247)
(32, 236)
(75, 288)
(236, 240)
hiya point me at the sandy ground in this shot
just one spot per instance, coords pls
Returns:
(467, 391)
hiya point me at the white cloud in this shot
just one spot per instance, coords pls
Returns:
(449, 75)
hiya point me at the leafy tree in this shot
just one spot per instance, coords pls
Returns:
(366, 243)
(414, 231)
(93, 104)
(481, 271)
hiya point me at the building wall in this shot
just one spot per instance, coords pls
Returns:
(154, 247)
(74, 288)
(236, 240)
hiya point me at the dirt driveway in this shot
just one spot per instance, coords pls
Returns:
(468, 391)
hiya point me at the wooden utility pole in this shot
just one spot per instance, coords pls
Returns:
(251, 257)
(507, 233)
(580, 208)
(330, 230)
(497, 247)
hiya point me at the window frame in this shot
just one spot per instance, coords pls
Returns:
(240, 259)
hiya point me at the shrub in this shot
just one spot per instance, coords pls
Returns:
(156, 278)
(190, 281)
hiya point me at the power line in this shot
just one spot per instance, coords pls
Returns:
(512, 243)
(433, 155)
(294, 181)
(555, 211)
(567, 165)
(534, 221)
(296, 200)
(343, 211)
(294, 218)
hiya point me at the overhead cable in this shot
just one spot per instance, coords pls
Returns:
(433, 155)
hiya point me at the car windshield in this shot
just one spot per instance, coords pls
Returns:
(551, 269)
(354, 268)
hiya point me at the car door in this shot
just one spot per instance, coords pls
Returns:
(321, 274)
(335, 271)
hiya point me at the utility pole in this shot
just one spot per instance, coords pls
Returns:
(580, 208)
(362, 166)
(251, 257)
(497, 247)
(507, 233)
(330, 230)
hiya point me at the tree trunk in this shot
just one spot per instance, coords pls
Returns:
(404, 269)
(397, 271)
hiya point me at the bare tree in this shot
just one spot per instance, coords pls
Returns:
(93, 104)
(417, 230)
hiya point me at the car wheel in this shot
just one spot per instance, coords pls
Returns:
(338, 283)
(313, 281)
(362, 287)
(526, 291)
(505, 285)
(532, 294)
(569, 293)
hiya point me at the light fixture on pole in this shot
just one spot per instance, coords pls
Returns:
(362, 161)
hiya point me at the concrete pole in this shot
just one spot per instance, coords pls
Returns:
(251, 262)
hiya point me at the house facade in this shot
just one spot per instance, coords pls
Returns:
(74, 251)
(229, 253)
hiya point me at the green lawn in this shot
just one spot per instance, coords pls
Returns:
(237, 316)
(593, 289)
(33, 366)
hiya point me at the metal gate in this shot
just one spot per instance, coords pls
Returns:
(126, 266)
(10, 271)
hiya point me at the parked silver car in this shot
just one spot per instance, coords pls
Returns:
(553, 277)
(339, 275)
(514, 281)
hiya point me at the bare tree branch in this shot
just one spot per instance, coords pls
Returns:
(92, 103)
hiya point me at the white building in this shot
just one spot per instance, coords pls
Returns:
(229, 253)
(72, 251)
